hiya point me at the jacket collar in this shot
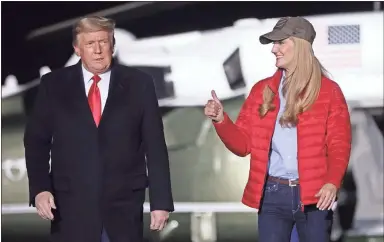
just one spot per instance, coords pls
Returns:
(274, 81)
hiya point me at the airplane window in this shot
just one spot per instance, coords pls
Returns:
(232, 69)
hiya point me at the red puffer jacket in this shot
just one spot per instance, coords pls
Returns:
(324, 139)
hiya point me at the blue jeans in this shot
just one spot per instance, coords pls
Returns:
(104, 236)
(294, 234)
(281, 209)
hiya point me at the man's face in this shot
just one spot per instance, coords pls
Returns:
(95, 50)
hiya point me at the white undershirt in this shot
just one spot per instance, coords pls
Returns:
(103, 84)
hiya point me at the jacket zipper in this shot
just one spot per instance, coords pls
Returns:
(277, 110)
(298, 163)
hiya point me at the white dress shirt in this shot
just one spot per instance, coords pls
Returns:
(103, 85)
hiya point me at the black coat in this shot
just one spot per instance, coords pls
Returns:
(98, 174)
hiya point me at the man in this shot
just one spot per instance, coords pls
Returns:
(100, 124)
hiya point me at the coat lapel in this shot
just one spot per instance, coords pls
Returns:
(79, 96)
(117, 88)
(274, 82)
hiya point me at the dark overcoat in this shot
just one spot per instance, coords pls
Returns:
(98, 174)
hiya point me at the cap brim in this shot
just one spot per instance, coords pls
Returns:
(275, 35)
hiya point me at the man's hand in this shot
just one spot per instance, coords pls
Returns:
(327, 196)
(159, 219)
(44, 203)
(214, 109)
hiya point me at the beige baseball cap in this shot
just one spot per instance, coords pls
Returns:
(286, 27)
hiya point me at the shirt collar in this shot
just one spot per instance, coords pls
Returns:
(88, 75)
(282, 80)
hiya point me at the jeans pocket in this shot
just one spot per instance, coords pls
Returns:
(271, 187)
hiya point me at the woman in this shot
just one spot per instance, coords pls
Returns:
(296, 127)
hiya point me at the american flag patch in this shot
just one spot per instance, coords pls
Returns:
(338, 46)
(344, 34)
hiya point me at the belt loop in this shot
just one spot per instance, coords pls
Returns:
(291, 184)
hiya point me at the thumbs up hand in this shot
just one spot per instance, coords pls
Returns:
(214, 109)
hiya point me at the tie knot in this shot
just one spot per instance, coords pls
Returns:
(96, 78)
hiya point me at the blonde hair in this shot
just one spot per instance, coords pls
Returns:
(302, 86)
(93, 24)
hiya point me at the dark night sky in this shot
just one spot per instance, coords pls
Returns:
(19, 18)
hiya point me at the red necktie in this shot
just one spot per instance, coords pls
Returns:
(94, 99)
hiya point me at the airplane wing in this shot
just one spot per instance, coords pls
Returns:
(12, 88)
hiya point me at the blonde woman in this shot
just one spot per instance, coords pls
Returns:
(296, 127)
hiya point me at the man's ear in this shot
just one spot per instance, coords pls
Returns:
(77, 50)
(75, 44)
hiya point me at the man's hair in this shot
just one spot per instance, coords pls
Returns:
(93, 24)
(301, 88)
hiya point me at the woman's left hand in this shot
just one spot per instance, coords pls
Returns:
(327, 196)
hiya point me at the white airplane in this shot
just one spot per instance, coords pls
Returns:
(231, 59)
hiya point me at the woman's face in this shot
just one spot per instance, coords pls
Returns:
(284, 52)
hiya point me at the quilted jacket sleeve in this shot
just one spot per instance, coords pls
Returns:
(236, 136)
(339, 137)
